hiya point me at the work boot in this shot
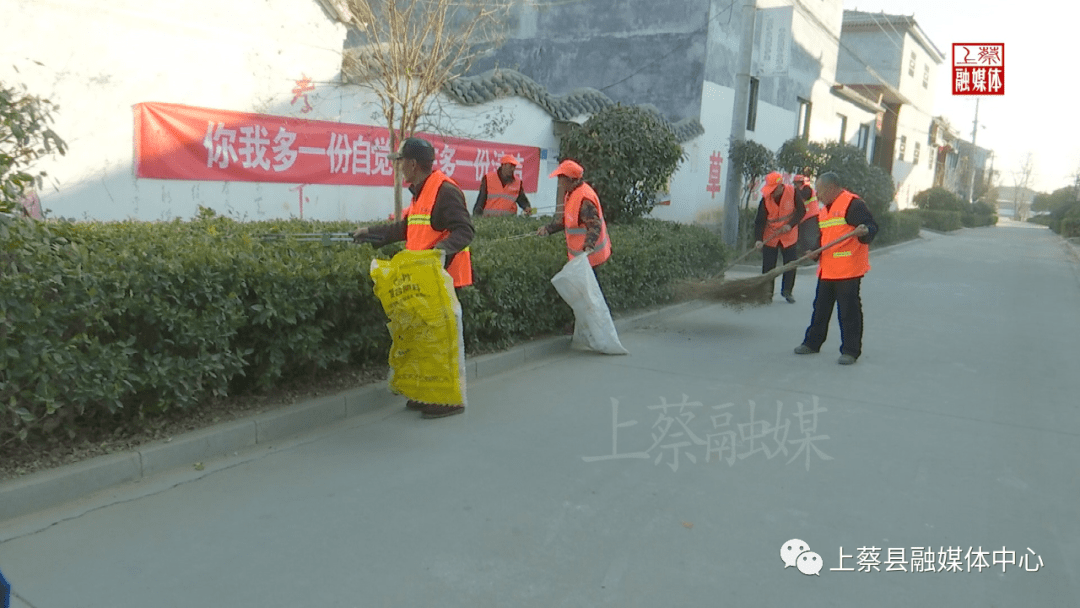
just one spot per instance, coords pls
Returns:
(803, 349)
(441, 411)
(846, 360)
(787, 296)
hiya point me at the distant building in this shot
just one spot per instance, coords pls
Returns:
(889, 58)
(1014, 202)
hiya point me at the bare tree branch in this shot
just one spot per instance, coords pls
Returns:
(412, 48)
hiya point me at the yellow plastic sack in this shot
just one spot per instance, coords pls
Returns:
(427, 357)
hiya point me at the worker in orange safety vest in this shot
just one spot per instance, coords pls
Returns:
(582, 218)
(501, 192)
(779, 213)
(438, 218)
(840, 269)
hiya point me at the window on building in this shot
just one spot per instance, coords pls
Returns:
(843, 127)
(932, 135)
(864, 137)
(751, 111)
(926, 76)
(911, 65)
(903, 146)
(915, 154)
(931, 153)
(803, 127)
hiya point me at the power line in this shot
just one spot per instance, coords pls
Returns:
(893, 27)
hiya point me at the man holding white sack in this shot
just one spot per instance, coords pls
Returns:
(586, 234)
(582, 219)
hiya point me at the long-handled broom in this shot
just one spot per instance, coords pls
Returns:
(753, 291)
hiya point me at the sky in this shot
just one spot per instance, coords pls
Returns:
(1035, 114)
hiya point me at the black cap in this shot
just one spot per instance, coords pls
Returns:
(415, 148)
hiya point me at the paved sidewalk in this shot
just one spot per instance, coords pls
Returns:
(669, 477)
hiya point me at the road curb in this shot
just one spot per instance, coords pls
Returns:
(54, 487)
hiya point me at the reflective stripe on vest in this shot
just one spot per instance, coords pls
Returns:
(575, 232)
(846, 260)
(780, 214)
(501, 200)
(811, 205)
(419, 234)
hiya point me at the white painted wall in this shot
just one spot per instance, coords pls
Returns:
(690, 201)
(97, 60)
(912, 177)
(911, 86)
(247, 55)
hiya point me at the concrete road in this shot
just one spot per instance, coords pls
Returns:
(670, 477)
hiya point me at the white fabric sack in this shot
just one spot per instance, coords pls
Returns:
(593, 327)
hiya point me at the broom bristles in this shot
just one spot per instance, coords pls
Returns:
(737, 294)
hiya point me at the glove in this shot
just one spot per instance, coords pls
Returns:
(363, 235)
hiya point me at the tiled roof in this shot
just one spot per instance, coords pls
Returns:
(495, 84)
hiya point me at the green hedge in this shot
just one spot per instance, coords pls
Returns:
(978, 220)
(109, 322)
(943, 221)
(1047, 220)
(1069, 227)
(897, 227)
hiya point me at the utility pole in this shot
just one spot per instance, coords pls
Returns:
(974, 133)
(738, 122)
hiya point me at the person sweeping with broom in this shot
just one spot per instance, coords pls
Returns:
(780, 211)
(840, 269)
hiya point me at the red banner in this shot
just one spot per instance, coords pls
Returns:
(181, 142)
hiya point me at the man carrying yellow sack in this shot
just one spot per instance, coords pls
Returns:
(438, 218)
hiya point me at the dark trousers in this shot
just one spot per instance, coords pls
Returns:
(844, 294)
(809, 236)
(768, 262)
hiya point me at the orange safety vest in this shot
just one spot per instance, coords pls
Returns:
(575, 232)
(778, 215)
(419, 235)
(849, 259)
(811, 206)
(501, 200)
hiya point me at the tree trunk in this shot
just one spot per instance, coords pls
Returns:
(394, 143)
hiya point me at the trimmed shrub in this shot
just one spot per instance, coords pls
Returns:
(1069, 227)
(112, 323)
(897, 227)
(942, 221)
(940, 199)
(1045, 220)
(871, 183)
(629, 154)
(977, 220)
